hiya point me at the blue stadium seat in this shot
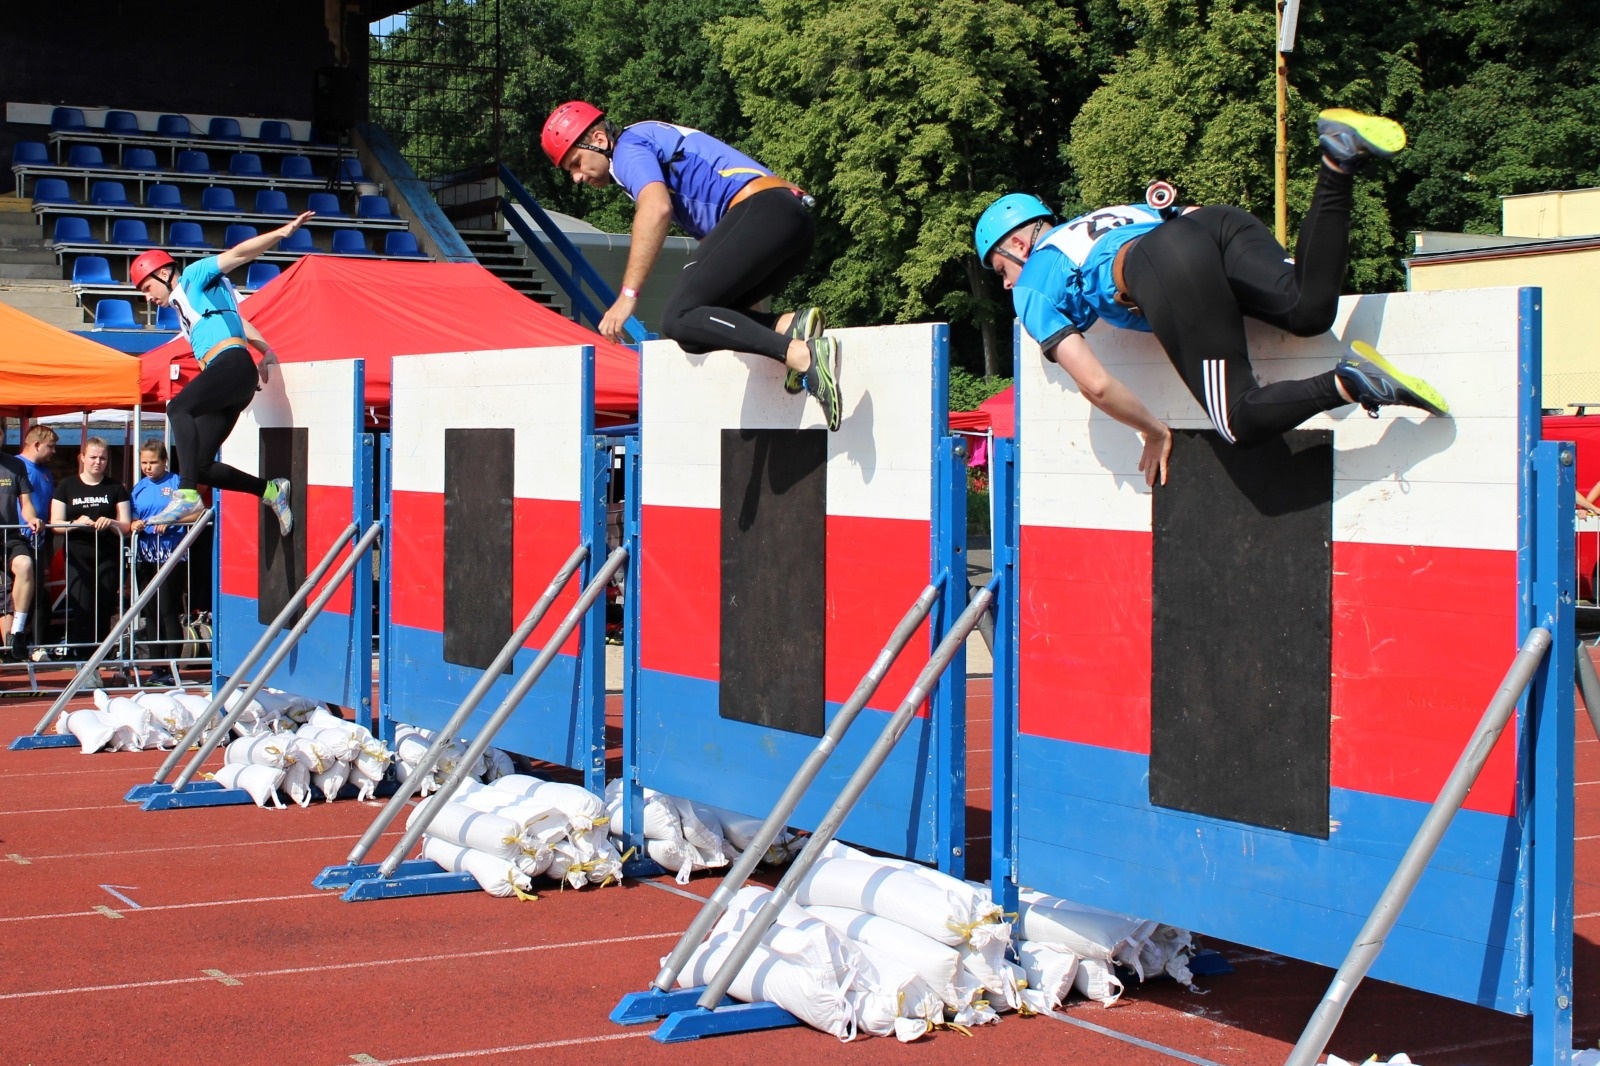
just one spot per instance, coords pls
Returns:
(400, 242)
(173, 126)
(349, 169)
(67, 118)
(260, 273)
(295, 166)
(122, 122)
(130, 231)
(237, 232)
(92, 270)
(166, 317)
(217, 198)
(350, 242)
(163, 196)
(51, 191)
(193, 161)
(85, 155)
(272, 202)
(374, 207)
(225, 129)
(70, 229)
(246, 165)
(139, 159)
(275, 132)
(109, 194)
(187, 235)
(30, 153)
(299, 241)
(325, 204)
(114, 314)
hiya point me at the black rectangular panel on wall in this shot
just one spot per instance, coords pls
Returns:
(281, 563)
(1241, 631)
(479, 495)
(774, 572)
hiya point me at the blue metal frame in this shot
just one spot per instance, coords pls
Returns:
(386, 724)
(1003, 806)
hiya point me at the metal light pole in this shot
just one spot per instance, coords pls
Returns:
(1288, 14)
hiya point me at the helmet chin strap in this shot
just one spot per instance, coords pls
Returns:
(606, 151)
(1032, 236)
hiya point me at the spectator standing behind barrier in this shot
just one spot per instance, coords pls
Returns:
(205, 412)
(38, 448)
(94, 553)
(1190, 277)
(150, 497)
(17, 549)
(755, 232)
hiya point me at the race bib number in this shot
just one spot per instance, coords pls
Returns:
(1074, 239)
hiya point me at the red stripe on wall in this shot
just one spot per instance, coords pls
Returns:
(322, 510)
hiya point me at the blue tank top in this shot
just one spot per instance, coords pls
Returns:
(208, 308)
(700, 172)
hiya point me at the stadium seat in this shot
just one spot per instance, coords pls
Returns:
(67, 118)
(246, 165)
(225, 129)
(109, 194)
(174, 126)
(272, 202)
(51, 191)
(187, 235)
(114, 314)
(130, 231)
(217, 198)
(92, 270)
(163, 196)
(30, 153)
(166, 317)
(193, 161)
(260, 273)
(349, 169)
(237, 232)
(299, 241)
(274, 132)
(350, 242)
(400, 242)
(85, 155)
(373, 207)
(295, 166)
(325, 204)
(139, 159)
(122, 122)
(70, 229)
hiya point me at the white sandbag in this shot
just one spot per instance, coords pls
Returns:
(582, 807)
(1094, 980)
(497, 764)
(123, 738)
(316, 756)
(677, 856)
(536, 860)
(1583, 1058)
(122, 712)
(938, 964)
(322, 718)
(294, 707)
(1050, 971)
(192, 702)
(705, 833)
(158, 737)
(460, 824)
(331, 780)
(585, 858)
(342, 743)
(367, 772)
(271, 701)
(942, 911)
(101, 698)
(538, 823)
(1088, 932)
(91, 728)
(494, 875)
(411, 744)
(297, 781)
(271, 749)
(802, 971)
(740, 831)
(159, 704)
(660, 815)
(260, 781)
(984, 958)
(254, 719)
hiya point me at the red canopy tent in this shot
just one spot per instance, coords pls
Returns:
(324, 307)
(998, 412)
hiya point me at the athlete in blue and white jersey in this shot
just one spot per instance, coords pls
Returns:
(755, 232)
(1191, 280)
(205, 412)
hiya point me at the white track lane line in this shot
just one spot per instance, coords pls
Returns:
(198, 847)
(326, 894)
(1181, 1056)
(1493, 1041)
(64, 810)
(446, 1056)
(77, 773)
(293, 971)
(674, 889)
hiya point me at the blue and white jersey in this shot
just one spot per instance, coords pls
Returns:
(150, 497)
(43, 489)
(207, 306)
(1066, 284)
(701, 173)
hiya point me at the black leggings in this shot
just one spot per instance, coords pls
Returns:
(755, 250)
(1197, 276)
(203, 415)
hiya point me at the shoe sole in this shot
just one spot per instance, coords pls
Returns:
(833, 414)
(792, 383)
(1428, 397)
(1384, 136)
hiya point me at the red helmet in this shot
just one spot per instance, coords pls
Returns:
(565, 125)
(147, 264)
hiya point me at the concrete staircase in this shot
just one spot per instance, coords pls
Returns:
(30, 277)
(509, 262)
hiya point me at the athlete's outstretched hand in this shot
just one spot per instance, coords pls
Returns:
(1153, 461)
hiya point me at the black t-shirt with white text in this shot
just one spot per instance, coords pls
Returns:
(92, 501)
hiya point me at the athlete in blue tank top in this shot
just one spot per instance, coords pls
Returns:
(1190, 277)
(755, 232)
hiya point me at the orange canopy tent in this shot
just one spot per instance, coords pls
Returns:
(44, 369)
(324, 307)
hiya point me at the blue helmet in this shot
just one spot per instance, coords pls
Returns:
(1004, 215)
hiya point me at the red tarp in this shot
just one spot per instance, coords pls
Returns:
(998, 412)
(324, 307)
(45, 369)
(1585, 431)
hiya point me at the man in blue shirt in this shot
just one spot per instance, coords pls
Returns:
(1190, 277)
(38, 446)
(755, 232)
(204, 413)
